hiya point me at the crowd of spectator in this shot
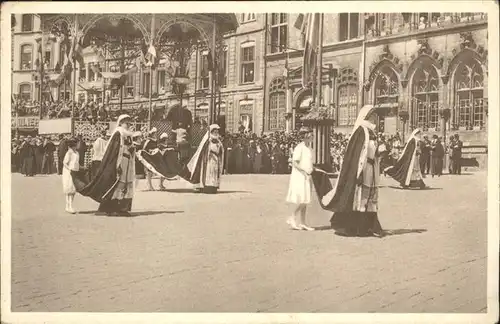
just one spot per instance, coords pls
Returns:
(86, 111)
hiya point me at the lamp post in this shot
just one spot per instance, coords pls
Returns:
(404, 115)
(445, 114)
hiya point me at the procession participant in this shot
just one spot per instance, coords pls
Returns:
(204, 170)
(162, 161)
(48, 156)
(299, 188)
(407, 170)
(71, 163)
(150, 145)
(354, 199)
(437, 154)
(98, 150)
(62, 147)
(114, 184)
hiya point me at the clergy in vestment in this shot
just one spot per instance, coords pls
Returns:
(204, 170)
(354, 198)
(113, 185)
(407, 169)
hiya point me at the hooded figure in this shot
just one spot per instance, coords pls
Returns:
(114, 182)
(407, 170)
(204, 170)
(354, 199)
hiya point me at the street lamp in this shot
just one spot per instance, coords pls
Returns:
(404, 115)
(445, 114)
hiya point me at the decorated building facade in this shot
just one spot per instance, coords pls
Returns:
(418, 69)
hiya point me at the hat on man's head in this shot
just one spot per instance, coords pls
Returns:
(163, 135)
(153, 130)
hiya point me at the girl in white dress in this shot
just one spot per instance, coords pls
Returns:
(299, 190)
(70, 163)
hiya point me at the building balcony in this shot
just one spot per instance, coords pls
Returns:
(384, 25)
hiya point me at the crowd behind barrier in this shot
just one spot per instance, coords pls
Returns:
(245, 152)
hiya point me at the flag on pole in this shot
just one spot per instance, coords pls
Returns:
(76, 52)
(150, 57)
(309, 25)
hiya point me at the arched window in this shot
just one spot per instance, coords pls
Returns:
(27, 57)
(386, 87)
(277, 105)
(386, 93)
(425, 99)
(25, 92)
(469, 102)
(347, 97)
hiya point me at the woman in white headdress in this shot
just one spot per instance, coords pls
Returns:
(354, 199)
(204, 170)
(114, 183)
(406, 170)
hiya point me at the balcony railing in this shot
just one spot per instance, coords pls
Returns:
(25, 122)
(386, 24)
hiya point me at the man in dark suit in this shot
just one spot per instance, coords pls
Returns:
(425, 158)
(456, 155)
(82, 149)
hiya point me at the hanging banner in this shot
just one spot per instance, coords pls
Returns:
(54, 126)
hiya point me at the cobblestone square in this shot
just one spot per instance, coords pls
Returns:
(233, 252)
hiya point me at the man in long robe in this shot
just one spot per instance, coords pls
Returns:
(204, 170)
(354, 199)
(407, 169)
(163, 161)
(114, 183)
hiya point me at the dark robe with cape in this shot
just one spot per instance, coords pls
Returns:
(164, 163)
(102, 185)
(402, 169)
(345, 219)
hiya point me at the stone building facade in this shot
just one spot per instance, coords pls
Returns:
(414, 64)
(406, 64)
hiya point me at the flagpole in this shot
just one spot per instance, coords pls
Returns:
(153, 58)
(320, 62)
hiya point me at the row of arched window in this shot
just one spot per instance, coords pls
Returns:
(425, 93)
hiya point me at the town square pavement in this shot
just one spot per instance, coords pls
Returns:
(232, 252)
